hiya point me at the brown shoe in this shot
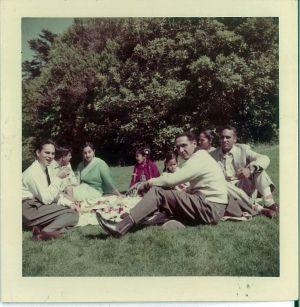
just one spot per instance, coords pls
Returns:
(35, 230)
(45, 236)
(274, 207)
(268, 213)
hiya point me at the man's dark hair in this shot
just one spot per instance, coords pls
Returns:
(39, 145)
(62, 150)
(168, 157)
(189, 134)
(228, 127)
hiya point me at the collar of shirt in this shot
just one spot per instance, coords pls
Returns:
(229, 153)
(43, 167)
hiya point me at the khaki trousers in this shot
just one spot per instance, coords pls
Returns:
(51, 217)
(191, 209)
(245, 190)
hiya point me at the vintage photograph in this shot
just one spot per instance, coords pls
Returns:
(149, 151)
(150, 146)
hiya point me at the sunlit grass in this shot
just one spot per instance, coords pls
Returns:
(227, 249)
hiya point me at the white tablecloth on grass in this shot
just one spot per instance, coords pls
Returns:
(110, 207)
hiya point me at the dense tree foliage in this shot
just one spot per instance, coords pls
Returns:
(124, 83)
(41, 46)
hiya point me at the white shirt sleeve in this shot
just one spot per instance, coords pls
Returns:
(72, 178)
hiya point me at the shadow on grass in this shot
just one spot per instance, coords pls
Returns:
(100, 236)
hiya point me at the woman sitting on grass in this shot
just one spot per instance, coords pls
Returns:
(144, 169)
(205, 140)
(95, 176)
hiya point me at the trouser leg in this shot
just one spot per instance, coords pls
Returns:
(189, 208)
(259, 181)
(50, 217)
(65, 220)
(263, 181)
(238, 194)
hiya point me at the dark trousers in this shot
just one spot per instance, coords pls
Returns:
(50, 217)
(191, 209)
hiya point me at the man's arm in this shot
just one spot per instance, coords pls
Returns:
(187, 173)
(45, 194)
(257, 161)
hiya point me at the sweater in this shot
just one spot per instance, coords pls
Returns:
(204, 175)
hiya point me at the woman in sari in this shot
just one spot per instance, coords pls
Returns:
(95, 176)
(205, 140)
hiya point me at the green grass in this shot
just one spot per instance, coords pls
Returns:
(227, 249)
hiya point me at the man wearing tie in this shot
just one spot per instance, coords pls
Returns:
(40, 191)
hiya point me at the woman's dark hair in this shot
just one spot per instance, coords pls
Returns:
(208, 134)
(168, 157)
(39, 146)
(88, 144)
(62, 150)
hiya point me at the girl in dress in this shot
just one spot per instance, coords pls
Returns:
(145, 168)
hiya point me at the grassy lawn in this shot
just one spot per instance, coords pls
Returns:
(229, 248)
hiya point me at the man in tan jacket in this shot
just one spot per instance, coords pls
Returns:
(244, 170)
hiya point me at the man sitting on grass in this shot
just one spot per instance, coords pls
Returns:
(203, 203)
(244, 171)
(40, 190)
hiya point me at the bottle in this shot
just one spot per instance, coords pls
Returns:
(143, 177)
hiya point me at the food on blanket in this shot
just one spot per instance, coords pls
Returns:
(111, 207)
(107, 209)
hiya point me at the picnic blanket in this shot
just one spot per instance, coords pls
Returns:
(111, 208)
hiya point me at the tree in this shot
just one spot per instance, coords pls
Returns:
(126, 83)
(41, 48)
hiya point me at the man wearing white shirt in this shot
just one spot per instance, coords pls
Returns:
(203, 203)
(40, 190)
(244, 171)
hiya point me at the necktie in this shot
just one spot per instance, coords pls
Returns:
(48, 177)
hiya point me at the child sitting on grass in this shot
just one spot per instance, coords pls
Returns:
(171, 166)
(162, 217)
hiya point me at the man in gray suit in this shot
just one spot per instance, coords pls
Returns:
(244, 170)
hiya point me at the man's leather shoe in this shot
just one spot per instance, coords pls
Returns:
(35, 230)
(268, 213)
(108, 226)
(274, 207)
(45, 236)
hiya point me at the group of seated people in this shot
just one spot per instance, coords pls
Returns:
(211, 183)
